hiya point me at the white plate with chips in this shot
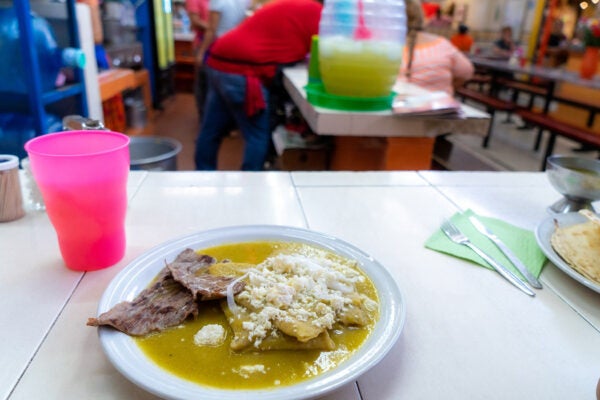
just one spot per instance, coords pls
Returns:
(544, 232)
(129, 359)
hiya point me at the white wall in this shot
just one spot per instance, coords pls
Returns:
(493, 14)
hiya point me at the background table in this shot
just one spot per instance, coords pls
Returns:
(553, 78)
(468, 333)
(548, 73)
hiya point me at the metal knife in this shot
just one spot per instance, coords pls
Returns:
(533, 281)
(458, 237)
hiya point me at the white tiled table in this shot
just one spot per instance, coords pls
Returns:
(468, 333)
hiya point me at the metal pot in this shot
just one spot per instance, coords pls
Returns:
(153, 153)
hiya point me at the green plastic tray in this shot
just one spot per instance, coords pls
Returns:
(316, 95)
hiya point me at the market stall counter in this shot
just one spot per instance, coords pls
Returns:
(381, 140)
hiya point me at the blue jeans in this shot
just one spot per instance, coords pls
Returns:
(223, 110)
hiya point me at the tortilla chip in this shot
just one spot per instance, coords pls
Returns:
(359, 312)
(301, 330)
(579, 246)
(277, 340)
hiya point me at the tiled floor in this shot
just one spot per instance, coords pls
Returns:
(179, 120)
(509, 149)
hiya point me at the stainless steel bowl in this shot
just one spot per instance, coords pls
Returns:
(577, 179)
(154, 153)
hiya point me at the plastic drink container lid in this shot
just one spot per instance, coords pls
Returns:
(8, 161)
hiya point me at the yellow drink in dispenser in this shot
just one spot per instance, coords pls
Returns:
(360, 47)
(360, 51)
(365, 68)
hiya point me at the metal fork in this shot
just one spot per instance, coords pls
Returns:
(458, 237)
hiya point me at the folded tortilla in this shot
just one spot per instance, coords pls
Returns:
(591, 216)
(579, 246)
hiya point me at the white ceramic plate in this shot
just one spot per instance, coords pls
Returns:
(544, 231)
(133, 364)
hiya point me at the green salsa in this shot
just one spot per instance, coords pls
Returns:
(220, 367)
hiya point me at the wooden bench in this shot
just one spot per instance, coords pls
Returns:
(480, 80)
(583, 103)
(527, 87)
(556, 127)
(491, 103)
(519, 87)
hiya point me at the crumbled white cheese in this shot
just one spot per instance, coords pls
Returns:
(210, 335)
(246, 370)
(296, 287)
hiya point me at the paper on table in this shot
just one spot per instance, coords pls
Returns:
(521, 241)
(434, 103)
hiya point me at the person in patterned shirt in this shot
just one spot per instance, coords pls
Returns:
(430, 60)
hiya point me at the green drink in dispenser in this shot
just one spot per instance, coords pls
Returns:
(360, 46)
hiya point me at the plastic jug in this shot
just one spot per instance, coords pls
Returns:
(360, 46)
(51, 58)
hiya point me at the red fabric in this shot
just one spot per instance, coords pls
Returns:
(280, 32)
(254, 98)
(430, 9)
(255, 74)
(463, 42)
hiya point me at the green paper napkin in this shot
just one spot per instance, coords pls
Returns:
(521, 241)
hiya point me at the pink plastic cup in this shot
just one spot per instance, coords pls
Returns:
(83, 179)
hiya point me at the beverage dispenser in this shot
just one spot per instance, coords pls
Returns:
(360, 50)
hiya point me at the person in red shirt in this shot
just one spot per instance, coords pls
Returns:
(462, 40)
(241, 66)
